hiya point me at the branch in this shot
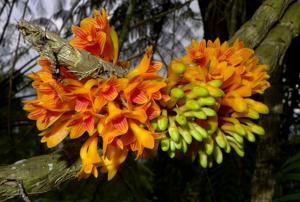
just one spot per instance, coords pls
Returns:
(160, 15)
(59, 52)
(38, 175)
(253, 31)
(271, 51)
(43, 173)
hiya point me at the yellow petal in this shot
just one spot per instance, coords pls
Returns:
(143, 65)
(92, 153)
(55, 138)
(115, 42)
(88, 24)
(113, 112)
(144, 137)
(137, 114)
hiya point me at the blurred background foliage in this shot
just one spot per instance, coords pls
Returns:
(168, 25)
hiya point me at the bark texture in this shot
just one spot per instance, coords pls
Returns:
(35, 175)
(271, 51)
(59, 52)
(267, 31)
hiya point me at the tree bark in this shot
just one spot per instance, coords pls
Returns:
(37, 175)
(59, 52)
(43, 173)
(271, 51)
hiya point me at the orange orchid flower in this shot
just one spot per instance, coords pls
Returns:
(197, 53)
(84, 95)
(81, 123)
(88, 38)
(57, 132)
(108, 91)
(116, 122)
(97, 37)
(90, 157)
(113, 159)
(143, 138)
(44, 118)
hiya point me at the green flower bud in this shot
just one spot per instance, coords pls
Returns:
(202, 158)
(236, 136)
(178, 145)
(177, 93)
(165, 144)
(171, 154)
(181, 119)
(206, 101)
(162, 121)
(178, 67)
(253, 114)
(250, 136)
(209, 146)
(174, 134)
(209, 111)
(200, 115)
(197, 91)
(185, 134)
(212, 126)
(215, 92)
(257, 129)
(238, 149)
(154, 124)
(172, 145)
(227, 148)
(184, 147)
(220, 139)
(199, 129)
(239, 129)
(218, 155)
(190, 105)
(215, 83)
(195, 134)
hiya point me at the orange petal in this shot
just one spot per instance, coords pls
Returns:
(120, 124)
(99, 103)
(77, 131)
(101, 37)
(137, 114)
(113, 112)
(128, 138)
(154, 66)
(153, 111)
(81, 104)
(143, 65)
(139, 97)
(144, 137)
(89, 124)
(87, 24)
(115, 42)
(79, 32)
(92, 153)
(44, 122)
(53, 138)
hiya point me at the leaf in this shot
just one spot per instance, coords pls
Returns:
(290, 197)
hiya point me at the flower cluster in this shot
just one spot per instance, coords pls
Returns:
(211, 88)
(116, 112)
(202, 106)
(96, 36)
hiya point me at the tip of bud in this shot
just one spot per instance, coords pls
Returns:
(178, 67)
